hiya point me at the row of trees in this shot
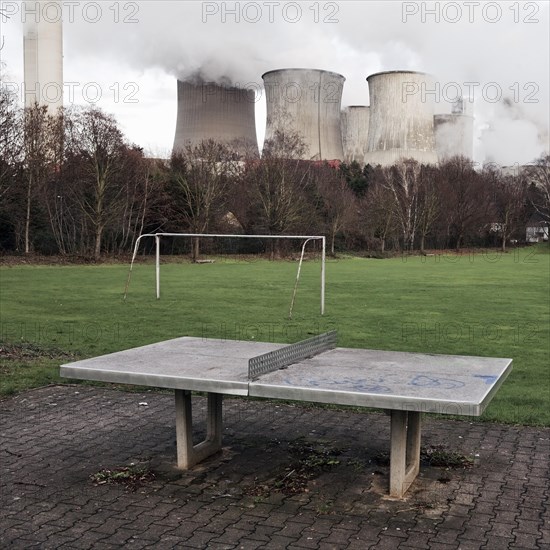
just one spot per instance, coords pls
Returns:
(69, 184)
(72, 184)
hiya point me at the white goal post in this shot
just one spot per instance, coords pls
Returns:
(305, 238)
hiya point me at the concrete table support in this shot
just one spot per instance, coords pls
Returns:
(405, 440)
(188, 453)
(405, 450)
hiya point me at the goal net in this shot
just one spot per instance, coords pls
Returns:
(247, 248)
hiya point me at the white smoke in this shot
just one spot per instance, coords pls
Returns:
(509, 133)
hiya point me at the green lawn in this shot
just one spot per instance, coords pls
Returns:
(493, 305)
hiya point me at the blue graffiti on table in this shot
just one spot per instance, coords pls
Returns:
(487, 378)
(424, 381)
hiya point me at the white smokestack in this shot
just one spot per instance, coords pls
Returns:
(43, 53)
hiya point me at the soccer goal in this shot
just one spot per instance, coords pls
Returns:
(304, 238)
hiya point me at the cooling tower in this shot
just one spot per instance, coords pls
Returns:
(308, 102)
(355, 128)
(401, 118)
(210, 111)
(454, 133)
(43, 54)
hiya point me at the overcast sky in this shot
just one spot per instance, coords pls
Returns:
(134, 51)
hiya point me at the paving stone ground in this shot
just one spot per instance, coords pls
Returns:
(53, 439)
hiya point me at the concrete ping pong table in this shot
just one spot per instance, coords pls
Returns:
(314, 370)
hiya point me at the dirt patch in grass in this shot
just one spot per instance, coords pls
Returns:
(27, 351)
(36, 259)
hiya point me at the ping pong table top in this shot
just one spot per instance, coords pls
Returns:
(422, 382)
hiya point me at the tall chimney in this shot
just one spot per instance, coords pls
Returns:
(43, 53)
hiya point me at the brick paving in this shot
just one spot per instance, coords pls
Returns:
(53, 439)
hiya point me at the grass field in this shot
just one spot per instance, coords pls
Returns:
(482, 304)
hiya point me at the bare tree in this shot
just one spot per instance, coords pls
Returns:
(402, 181)
(93, 137)
(143, 183)
(277, 187)
(509, 201)
(69, 223)
(42, 147)
(465, 197)
(200, 181)
(378, 208)
(429, 203)
(11, 140)
(339, 204)
(538, 175)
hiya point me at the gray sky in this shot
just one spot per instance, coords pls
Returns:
(135, 50)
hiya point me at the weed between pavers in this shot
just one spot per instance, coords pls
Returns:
(132, 476)
(442, 458)
(436, 455)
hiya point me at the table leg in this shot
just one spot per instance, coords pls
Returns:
(405, 450)
(189, 454)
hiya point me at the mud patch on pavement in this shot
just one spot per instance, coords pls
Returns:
(308, 460)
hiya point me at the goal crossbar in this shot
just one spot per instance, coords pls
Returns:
(305, 238)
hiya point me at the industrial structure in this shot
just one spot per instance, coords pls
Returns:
(401, 121)
(225, 114)
(355, 128)
(43, 54)
(307, 101)
(454, 132)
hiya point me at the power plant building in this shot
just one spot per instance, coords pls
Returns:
(43, 54)
(210, 111)
(401, 121)
(307, 101)
(355, 129)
